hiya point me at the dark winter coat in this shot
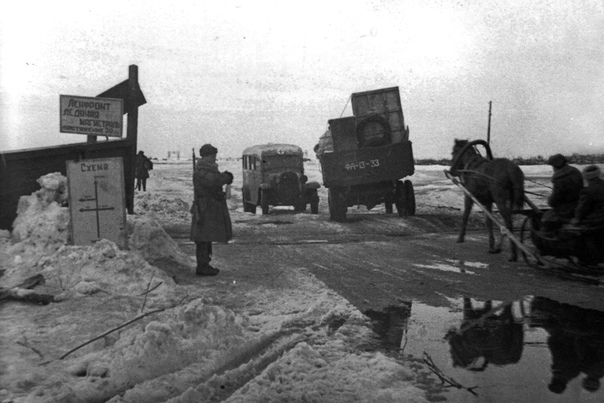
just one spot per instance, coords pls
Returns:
(568, 183)
(142, 166)
(590, 210)
(211, 221)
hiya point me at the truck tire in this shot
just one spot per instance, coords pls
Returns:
(376, 142)
(337, 205)
(264, 201)
(314, 202)
(409, 198)
(248, 207)
(388, 206)
(405, 198)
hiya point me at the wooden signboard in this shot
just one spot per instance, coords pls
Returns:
(92, 116)
(97, 201)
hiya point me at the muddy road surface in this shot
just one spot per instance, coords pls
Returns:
(375, 259)
(489, 329)
(423, 290)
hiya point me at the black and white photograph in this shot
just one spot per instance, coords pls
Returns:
(323, 201)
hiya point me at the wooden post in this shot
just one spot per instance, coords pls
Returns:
(489, 126)
(132, 135)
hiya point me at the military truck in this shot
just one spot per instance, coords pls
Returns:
(369, 156)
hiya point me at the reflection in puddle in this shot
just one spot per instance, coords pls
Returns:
(487, 335)
(534, 350)
(576, 341)
(390, 324)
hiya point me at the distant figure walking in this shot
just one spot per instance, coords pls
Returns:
(143, 166)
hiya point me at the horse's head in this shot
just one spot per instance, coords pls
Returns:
(457, 156)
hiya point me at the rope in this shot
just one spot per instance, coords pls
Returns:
(539, 183)
(348, 100)
(498, 181)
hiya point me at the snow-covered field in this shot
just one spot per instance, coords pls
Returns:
(195, 340)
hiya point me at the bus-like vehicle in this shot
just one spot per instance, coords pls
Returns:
(273, 175)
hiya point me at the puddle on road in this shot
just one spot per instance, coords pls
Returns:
(534, 350)
(456, 266)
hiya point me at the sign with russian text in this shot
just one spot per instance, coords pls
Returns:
(92, 116)
(96, 201)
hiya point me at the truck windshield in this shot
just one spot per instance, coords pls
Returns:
(282, 161)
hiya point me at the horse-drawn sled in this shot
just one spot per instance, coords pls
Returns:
(571, 251)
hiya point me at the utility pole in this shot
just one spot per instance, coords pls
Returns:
(489, 126)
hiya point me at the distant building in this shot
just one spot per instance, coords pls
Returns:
(174, 155)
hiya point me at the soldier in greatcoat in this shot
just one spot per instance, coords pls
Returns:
(211, 221)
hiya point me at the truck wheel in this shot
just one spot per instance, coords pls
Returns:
(388, 206)
(264, 201)
(314, 203)
(337, 205)
(247, 206)
(409, 198)
(405, 198)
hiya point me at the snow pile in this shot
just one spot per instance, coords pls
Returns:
(42, 227)
(148, 237)
(195, 334)
(314, 353)
(102, 267)
(42, 223)
(329, 373)
(5, 257)
(161, 207)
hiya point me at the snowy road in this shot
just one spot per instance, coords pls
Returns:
(375, 270)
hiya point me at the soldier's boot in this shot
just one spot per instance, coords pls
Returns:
(206, 270)
(203, 252)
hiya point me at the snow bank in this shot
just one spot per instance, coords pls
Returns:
(102, 267)
(147, 237)
(329, 373)
(42, 223)
(42, 226)
(193, 333)
(161, 207)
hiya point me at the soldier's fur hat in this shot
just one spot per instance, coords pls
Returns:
(557, 160)
(591, 172)
(207, 149)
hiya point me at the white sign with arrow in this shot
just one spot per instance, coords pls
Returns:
(97, 201)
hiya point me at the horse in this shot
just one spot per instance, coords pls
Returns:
(486, 336)
(489, 180)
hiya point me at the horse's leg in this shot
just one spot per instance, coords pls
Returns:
(489, 223)
(506, 214)
(468, 203)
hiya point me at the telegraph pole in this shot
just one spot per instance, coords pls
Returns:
(489, 126)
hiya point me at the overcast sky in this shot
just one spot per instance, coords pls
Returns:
(245, 72)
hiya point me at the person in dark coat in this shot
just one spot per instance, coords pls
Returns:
(589, 218)
(143, 166)
(567, 184)
(590, 209)
(211, 221)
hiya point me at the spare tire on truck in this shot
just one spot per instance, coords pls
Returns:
(373, 131)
